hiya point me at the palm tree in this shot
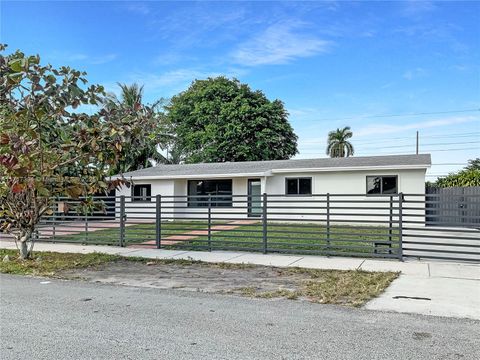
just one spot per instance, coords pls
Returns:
(131, 98)
(338, 144)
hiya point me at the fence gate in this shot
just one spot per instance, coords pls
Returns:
(442, 224)
(455, 206)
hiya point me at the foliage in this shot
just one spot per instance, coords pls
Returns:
(174, 154)
(462, 178)
(469, 176)
(49, 147)
(338, 144)
(473, 164)
(220, 119)
(131, 99)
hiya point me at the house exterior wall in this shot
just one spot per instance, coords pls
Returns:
(238, 209)
(142, 210)
(338, 182)
(347, 183)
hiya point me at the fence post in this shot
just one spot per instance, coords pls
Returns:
(209, 225)
(400, 226)
(86, 227)
(328, 224)
(264, 223)
(158, 221)
(390, 225)
(54, 218)
(122, 220)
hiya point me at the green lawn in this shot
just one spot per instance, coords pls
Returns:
(299, 238)
(134, 234)
(289, 238)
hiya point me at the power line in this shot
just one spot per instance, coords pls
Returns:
(472, 134)
(399, 115)
(469, 134)
(442, 164)
(449, 136)
(397, 153)
(431, 144)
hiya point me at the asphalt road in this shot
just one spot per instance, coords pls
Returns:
(80, 320)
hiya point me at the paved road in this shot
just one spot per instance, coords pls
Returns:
(58, 321)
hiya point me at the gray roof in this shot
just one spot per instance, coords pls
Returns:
(261, 167)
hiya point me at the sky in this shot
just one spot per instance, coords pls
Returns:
(386, 69)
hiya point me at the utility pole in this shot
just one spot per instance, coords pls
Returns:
(417, 143)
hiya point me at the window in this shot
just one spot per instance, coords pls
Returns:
(220, 192)
(141, 193)
(298, 186)
(382, 185)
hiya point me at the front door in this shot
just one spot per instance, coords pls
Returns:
(254, 198)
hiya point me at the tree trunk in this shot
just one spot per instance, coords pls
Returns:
(24, 253)
(23, 239)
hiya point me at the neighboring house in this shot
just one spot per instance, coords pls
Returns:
(229, 182)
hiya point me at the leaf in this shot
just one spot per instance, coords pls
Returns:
(16, 65)
(4, 139)
(17, 188)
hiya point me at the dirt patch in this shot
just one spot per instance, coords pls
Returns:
(192, 277)
(351, 288)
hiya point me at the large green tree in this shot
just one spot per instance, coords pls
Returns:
(49, 147)
(338, 144)
(221, 119)
(131, 99)
(469, 176)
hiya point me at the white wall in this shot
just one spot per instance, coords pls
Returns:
(239, 187)
(349, 182)
(140, 210)
(345, 182)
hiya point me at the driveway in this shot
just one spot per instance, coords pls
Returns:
(55, 319)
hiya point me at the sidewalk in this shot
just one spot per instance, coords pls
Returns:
(424, 287)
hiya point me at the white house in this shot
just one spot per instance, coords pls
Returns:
(187, 187)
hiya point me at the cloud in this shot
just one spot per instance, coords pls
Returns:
(279, 44)
(138, 7)
(377, 129)
(168, 58)
(416, 8)
(83, 58)
(201, 24)
(414, 73)
(102, 59)
(172, 82)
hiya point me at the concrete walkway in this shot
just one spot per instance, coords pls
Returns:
(424, 287)
(193, 234)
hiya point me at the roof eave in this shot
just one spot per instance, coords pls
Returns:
(353, 168)
(191, 176)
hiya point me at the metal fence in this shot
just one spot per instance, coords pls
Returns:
(457, 205)
(394, 226)
(432, 235)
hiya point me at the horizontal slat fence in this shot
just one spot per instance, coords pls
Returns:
(393, 226)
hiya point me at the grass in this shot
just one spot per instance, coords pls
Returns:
(341, 287)
(134, 234)
(51, 263)
(289, 238)
(299, 238)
